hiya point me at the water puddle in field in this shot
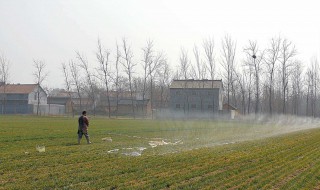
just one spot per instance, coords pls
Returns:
(160, 142)
(113, 151)
(107, 139)
(226, 143)
(125, 135)
(135, 151)
(40, 148)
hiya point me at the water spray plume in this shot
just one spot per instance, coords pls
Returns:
(183, 135)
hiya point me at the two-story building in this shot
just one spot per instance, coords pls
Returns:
(196, 97)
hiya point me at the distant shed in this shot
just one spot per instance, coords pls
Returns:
(230, 110)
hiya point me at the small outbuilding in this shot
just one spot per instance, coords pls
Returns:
(230, 110)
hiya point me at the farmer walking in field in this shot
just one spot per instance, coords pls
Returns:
(83, 127)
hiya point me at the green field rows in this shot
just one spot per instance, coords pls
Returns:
(186, 155)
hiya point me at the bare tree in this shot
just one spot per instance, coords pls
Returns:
(249, 87)
(4, 69)
(288, 51)
(184, 64)
(67, 82)
(255, 60)
(85, 66)
(40, 75)
(185, 72)
(312, 81)
(103, 59)
(128, 65)
(165, 79)
(146, 62)
(117, 77)
(309, 80)
(241, 81)
(153, 67)
(4, 76)
(296, 87)
(272, 58)
(200, 69)
(228, 61)
(277, 93)
(208, 46)
(75, 74)
(315, 66)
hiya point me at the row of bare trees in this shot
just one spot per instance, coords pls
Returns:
(115, 74)
(256, 79)
(276, 73)
(277, 78)
(269, 80)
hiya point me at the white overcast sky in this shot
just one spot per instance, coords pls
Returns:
(52, 30)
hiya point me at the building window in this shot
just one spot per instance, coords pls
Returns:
(210, 106)
(35, 96)
(193, 106)
(210, 93)
(194, 93)
(178, 106)
(177, 92)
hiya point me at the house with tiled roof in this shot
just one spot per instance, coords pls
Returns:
(21, 98)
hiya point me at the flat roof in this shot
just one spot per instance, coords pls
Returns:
(190, 83)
